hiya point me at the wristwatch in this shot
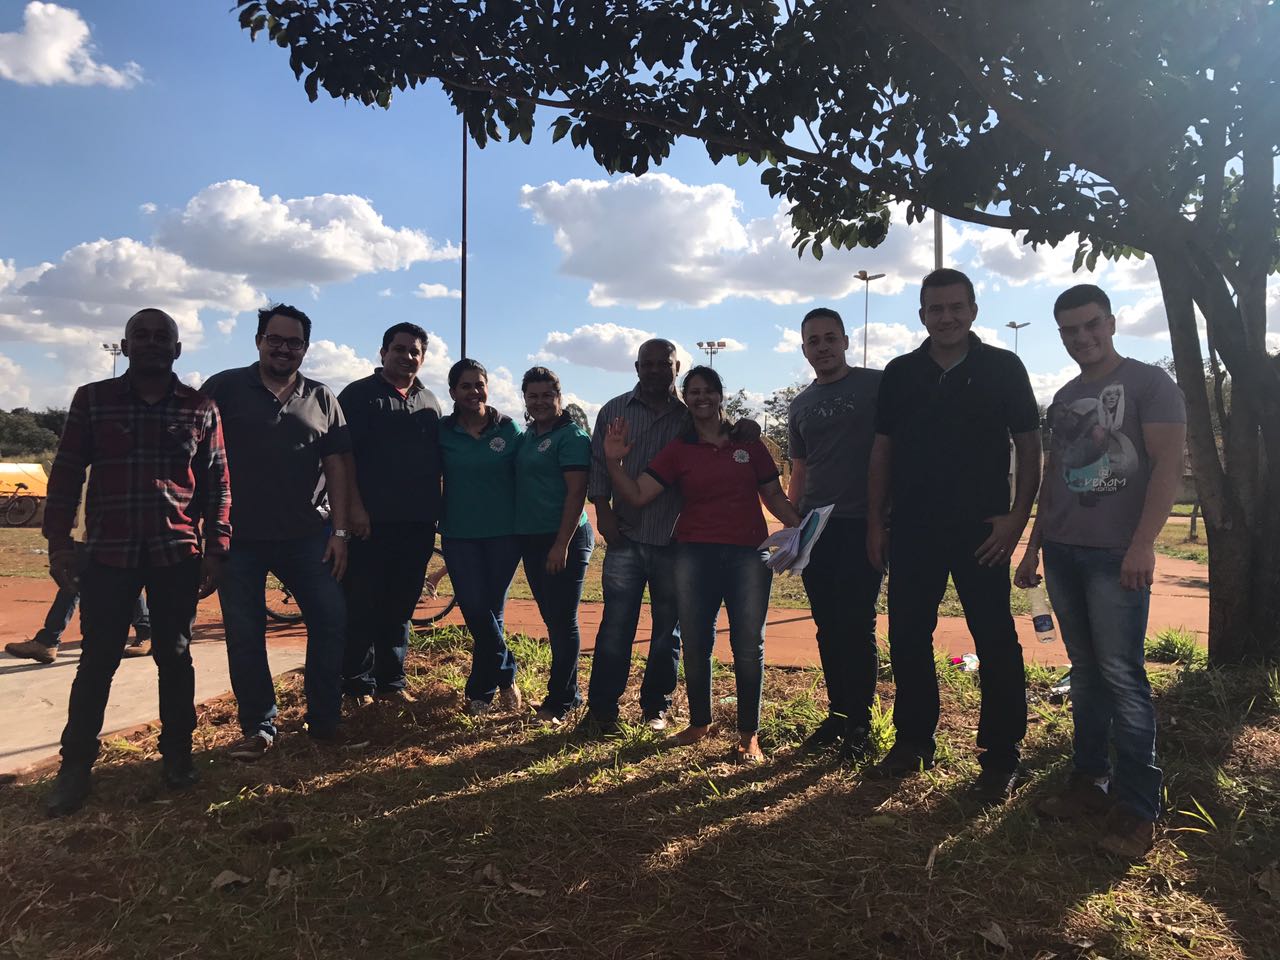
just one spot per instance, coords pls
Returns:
(342, 534)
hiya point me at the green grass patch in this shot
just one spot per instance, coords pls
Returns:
(1175, 645)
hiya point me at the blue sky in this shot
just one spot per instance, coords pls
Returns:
(157, 157)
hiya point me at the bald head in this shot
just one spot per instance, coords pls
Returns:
(154, 313)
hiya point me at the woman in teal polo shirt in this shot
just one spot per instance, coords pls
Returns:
(718, 556)
(477, 531)
(553, 458)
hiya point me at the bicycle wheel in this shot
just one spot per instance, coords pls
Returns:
(437, 594)
(280, 603)
(20, 511)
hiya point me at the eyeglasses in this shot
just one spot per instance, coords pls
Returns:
(292, 344)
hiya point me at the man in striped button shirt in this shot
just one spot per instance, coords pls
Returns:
(157, 516)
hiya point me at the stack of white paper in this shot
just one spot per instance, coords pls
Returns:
(790, 547)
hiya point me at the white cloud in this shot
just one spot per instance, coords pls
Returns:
(605, 346)
(335, 364)
(230, 226)
(732, 346)
(226, 325)
(434, 291)
(1146, 318)
(884, 342)
(652, 240)
(592, 410)
(385, 292)
(789, 342)
(504, 393)
(1045, 385)
(147, 208)
(193, 378)
(13, 391)
(54, 47)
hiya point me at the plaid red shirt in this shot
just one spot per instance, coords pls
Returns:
(158, 471)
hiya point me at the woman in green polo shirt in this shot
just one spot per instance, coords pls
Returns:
(553, 458)
(477, 531)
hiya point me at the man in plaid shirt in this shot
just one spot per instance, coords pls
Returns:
(157, 516)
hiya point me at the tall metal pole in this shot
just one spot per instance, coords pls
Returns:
(463, 345)
(937, 240)
(866, 316)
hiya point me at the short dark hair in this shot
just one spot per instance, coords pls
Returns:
(946, 277)
(1080, 295)
(706, 373)
(410, 328)
(539, 375)
(822, 313)
(284, 310)
(462, 366)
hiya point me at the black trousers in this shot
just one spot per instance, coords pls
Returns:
(385, 574)
(843, 588)
(107, 596)
(920, 558)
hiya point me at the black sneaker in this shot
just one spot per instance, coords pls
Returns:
(179, 773)
(70, 790)
(825, 734)
(994, 786)
(592, 726)
(856, 746)
(902, 760)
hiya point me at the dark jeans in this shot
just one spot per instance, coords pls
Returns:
(107, 596)
(384, 578)
(1103, 628)
(64, 606)
(843, 589)
(706, 575)
(919, 560)
(481, 571)
(628, 567)
(558, 596)
(242, 594)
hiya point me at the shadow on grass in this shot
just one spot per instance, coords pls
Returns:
(449, 838)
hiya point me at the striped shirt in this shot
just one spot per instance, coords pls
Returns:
(159, 471)
(649, 432)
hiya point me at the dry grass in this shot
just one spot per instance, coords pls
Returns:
(449, 838)
(23, 552)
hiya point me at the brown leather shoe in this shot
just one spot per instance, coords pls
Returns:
(400, 697)
(1127, 834)
(140, 649)
(1082, 799)
(32, 650)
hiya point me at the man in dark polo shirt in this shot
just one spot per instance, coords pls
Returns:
(940, 463)
(394, 422)
(283, 431)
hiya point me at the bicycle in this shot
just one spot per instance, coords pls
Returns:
(435, 603)
(19, 507)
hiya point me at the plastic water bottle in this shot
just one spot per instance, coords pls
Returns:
(1040, 615)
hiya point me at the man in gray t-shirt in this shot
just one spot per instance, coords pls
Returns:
(831, 424)
(1115, 464)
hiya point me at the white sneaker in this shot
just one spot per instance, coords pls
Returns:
(510, 699)
(478, 708)
(657, 724)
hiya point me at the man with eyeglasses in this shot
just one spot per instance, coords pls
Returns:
(940, 461)
(283, 432)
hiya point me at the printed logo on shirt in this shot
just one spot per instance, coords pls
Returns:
(741, 456)
(1096, 456)
(545, 445)
(497, 444)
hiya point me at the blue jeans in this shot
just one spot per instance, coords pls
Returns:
(558, 595)
(706, 575)
(481, 571)
(1103, 628)
(242, 595)
(628, 566)
(384, 579)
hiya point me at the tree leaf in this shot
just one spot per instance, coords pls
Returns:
(229, 879)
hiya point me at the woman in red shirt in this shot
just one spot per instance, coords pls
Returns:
(718, 555)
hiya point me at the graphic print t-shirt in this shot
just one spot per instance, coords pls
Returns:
(1100, 484)
(832, 426)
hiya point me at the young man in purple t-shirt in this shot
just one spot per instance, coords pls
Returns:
(1115, 464)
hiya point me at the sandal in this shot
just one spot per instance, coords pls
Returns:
(688, 736)
(742, 754)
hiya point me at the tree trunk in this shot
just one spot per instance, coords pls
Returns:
(1236, 495)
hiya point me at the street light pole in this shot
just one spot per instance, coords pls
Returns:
(1015, 327)
(866, 279)
(937, 240)
(711, 348)
(114, 350)
(463, 345)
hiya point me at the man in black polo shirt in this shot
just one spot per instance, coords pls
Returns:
(283, 432)
(940, 461)
(394, 423)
